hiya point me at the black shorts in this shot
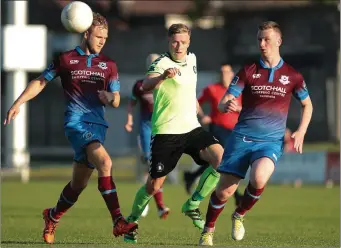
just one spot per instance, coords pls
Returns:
(166, 150)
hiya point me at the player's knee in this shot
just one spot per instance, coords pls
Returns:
(153, 186)
(105, 165)
(224, 193)
(216, 156)
(221, 195)
(216, 160)
(258, 182)
(226, 186)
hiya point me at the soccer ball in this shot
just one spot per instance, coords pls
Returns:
(77, 17)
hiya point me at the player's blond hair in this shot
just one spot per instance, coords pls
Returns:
(178, 28)
(99, 20)
(151, 58)
(270, 25)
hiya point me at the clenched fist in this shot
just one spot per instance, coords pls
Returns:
(170, 72)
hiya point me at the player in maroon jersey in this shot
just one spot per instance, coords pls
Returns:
(145, 98)
(90, 82)
(220, 124)
(257, 139)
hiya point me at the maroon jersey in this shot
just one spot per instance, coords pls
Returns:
(145, 98)
(266, 98)
(82, 76)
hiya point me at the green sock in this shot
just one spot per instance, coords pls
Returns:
(207, 183)
(141, 200)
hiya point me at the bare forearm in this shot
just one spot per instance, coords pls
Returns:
(31, 91)
(307, 111)
(116, 101)
(130, 118)
(152, 83)
(130, 112)
(223, 101)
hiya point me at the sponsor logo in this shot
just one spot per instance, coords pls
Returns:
(74, 62)
(268, 88)
(284, 80)
(51, 66)
(268, 91)
(256, 76)
(246, 140)
(87, 73)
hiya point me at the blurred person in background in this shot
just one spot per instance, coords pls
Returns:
(220, 124)
(175, 127)
(145, 98)
(258, 137)
(90, 82)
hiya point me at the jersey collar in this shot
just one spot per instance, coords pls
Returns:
(184, 63)
(81, 52)
(261, 62)
(272, 69)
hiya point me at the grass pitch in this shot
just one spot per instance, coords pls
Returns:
(284, 217)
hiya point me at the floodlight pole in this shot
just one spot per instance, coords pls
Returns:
(16, 153)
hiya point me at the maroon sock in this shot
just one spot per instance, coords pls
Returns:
(107, 188)
(215, 207)
(158, 197)
(67, 198)
(250, 197)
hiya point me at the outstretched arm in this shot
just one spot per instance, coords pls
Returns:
(31, 91)
(153, 80)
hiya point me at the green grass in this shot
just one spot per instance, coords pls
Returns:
(284, 217)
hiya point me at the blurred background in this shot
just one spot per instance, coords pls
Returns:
(222, 31)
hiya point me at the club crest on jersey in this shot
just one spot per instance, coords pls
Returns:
(284, 80)
(195, 69)
(102, 65)
(235, 80)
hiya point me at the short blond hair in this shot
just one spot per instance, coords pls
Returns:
(99, 20)
(270, 25)
(178, 28)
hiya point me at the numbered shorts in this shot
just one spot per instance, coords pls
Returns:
(145, 136)
(80, 134)
(166, 150)
(240, 152)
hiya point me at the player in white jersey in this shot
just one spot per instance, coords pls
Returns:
(175, 127)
